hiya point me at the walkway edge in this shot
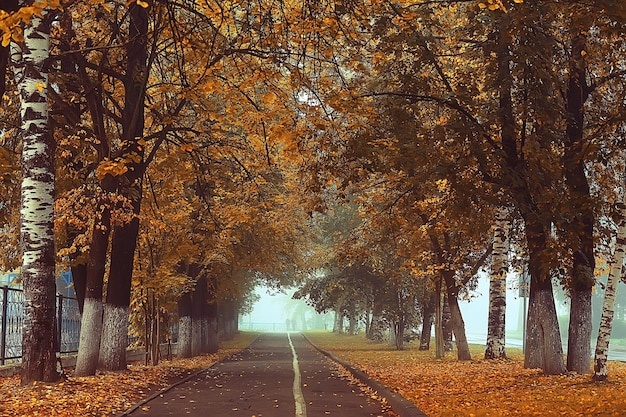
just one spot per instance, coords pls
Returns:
(175, 384)
(399, 404)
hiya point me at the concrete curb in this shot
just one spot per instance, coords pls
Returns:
(399, 404)
(175, 384)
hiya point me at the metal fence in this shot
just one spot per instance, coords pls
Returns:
(264, 327)
(12, 303)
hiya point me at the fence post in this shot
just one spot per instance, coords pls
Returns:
(59, 320)
(5, 304)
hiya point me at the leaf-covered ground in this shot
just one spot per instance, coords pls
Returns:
(108, 393)
(479, 388)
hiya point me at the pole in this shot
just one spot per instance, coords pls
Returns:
(5, 303)
(60, 320)
(524, 328)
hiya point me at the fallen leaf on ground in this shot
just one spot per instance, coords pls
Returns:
(447, 387)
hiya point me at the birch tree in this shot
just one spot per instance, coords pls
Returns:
(600, 371)
(28, 56)
(497, 288)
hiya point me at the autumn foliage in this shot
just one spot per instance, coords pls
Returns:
(108, 393)
(446, 387)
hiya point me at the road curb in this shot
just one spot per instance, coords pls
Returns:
(177, 383)
(399, 404)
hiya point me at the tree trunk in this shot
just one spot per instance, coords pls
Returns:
(229, 319)
(79, 278)
(184, 325)
(391, 341)
(377, 326)
(353, 323)
(440, 350)
(199, 303)
(600, 371)
(213, 342)
(39, 355)
(543, 338)
(579, 331)
(582, 278)
(496, 329)
(399, 333)
(338, 323)
(116, 309)
(446, 326)
(427, 322)
(91, 319)
(543, 342)
(5, 51)
(456, 319)
(117, 306)
(155, 332)
(368, 318)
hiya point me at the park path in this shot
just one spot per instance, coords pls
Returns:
(279, 375)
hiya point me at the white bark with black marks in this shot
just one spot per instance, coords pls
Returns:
(600, 370)
(39, 350)
(497, 288)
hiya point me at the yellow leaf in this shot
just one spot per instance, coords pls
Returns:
(143, 4)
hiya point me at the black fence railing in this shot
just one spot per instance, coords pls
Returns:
(12, 303)
(264, 327)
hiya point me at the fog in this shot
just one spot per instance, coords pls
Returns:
(277, 311)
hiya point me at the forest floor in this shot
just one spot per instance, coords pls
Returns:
(108, 393)
(447, 387)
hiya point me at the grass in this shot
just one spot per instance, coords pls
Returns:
(447, 387)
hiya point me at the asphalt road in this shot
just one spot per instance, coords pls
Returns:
(279, 375)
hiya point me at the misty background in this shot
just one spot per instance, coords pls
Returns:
(275, 310)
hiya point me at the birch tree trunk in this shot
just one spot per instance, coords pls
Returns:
(39, 353)
(497, 288)
(600, 371)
